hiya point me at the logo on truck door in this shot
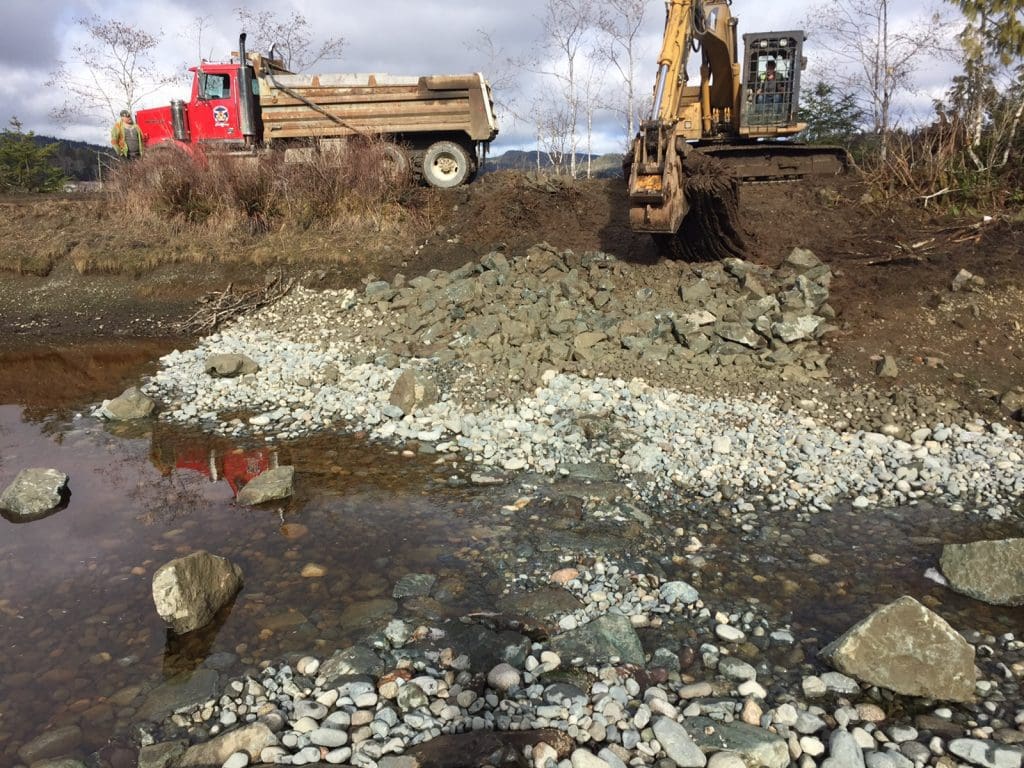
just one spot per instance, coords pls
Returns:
(220, 115)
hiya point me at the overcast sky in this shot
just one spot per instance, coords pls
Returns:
(396, 36)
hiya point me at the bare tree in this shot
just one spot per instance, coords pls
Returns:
(567, 24)
(291, 38)
(877, 60)
(620, 22)
(199, 26)
(501, 70)
(113, 69)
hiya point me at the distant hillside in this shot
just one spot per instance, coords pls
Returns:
(77, 159)
(602, 166)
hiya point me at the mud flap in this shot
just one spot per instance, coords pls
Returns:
(711, 230)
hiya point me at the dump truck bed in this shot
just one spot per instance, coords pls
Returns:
(303, 106)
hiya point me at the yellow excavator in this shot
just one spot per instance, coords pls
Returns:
(702, 140)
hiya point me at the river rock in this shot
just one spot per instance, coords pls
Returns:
(271, 485)
(230, 365)
(55, 742)
(413, 390)
(678, 744)
(189, 590)
(251, 739)
(609, 636)
(355, 660)
(34, 493)
(162, 755)
(755, 745)
(991, 571)
(180, 691)
(908, 649)
(130, 404)
(987, 754)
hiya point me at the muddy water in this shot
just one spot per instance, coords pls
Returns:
(82, 643)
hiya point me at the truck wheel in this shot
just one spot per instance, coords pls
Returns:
(446, 165)
(397, 165)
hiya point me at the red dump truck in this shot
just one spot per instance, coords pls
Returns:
(438, 126)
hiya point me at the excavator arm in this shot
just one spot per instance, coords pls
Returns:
(681, 113)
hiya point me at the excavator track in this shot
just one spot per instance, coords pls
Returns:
(779, 161)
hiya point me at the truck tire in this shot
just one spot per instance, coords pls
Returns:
(446, 165)
(397, 165)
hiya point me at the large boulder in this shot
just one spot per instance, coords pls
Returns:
(276, 483)
(228, 365)
(130, 404)
(992, 571)
(908, 649)
(188, 591)
(34, 493)
(413, 390)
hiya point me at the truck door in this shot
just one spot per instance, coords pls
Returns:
(216, 116)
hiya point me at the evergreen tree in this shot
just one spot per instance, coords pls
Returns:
(24, 165)
(832, 117)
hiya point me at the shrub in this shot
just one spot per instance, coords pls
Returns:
(332, 185)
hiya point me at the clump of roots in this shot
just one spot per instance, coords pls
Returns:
(711, 230)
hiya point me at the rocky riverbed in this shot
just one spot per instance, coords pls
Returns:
(700, 395)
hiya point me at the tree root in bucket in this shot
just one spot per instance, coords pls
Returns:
(711, 230)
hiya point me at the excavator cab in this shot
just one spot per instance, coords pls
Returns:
(770, 89)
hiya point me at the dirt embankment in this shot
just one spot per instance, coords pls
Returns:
(74, 271)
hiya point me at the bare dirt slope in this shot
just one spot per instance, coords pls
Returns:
(894, 265)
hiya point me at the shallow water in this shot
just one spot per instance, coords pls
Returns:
(82, 640)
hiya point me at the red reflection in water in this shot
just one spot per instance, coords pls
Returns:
(235, 466)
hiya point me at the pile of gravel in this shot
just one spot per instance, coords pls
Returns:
(476, 343)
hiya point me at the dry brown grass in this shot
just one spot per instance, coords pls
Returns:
(171, 209)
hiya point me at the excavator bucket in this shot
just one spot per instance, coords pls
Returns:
(711, 229)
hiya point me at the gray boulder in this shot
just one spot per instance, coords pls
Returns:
(600, 640)
(755, 745)
(130, 404)
(354, 660)
(987, 754)
(886, 368)
(227, 365)
(677, 743)
(413, 390)
(908, 649)
(182, 690)
(188, 591)
(991, 571)
(34, 493)
(276, 483)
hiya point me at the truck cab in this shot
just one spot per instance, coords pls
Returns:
(214, 115)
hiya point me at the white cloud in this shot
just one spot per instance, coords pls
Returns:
(397, 36)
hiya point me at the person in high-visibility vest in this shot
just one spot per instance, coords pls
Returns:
(126, 138)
